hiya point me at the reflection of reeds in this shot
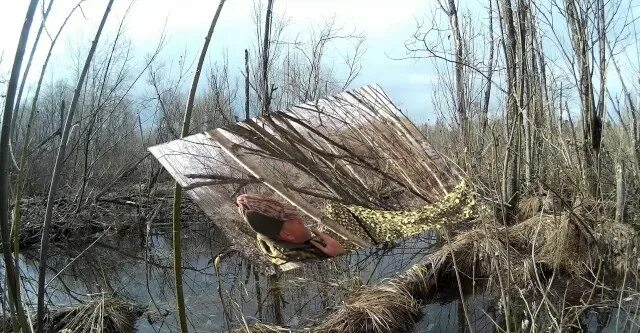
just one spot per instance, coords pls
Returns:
(559, 246)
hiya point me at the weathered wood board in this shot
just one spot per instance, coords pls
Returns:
(355, 147)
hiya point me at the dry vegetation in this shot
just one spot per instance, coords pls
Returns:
(101, 315)
(558, 185)
(535, 105)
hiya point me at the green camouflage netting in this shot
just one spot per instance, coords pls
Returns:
(383, 226)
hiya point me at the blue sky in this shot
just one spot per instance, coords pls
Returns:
(385, 25)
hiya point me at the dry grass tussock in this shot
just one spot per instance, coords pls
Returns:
(472, 252)
(618, 246)
(551, 240)
(391, 306)
(103, 315)
(261, 328)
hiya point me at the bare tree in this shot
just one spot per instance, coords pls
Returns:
(177, 193)
(266, 89)
(246, 85)
(511, 179)
(5, 136)
(461, 101)
(22, 173)
(25, 75)
(578, 22)
(487, 92)
(44, 246)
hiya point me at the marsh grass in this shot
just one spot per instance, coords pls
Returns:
(99, 315)
(102, 315)
(548, 271)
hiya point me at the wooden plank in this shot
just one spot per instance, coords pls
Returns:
(369, 108)
(363, 120)
(199, 154)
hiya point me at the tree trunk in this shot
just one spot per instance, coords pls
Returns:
(461, 104)
(11, 269)
(511, 167)
(524, 88)
(591, 122)
(620, 192)
(17, 213)
(266, 91)
(177, 193)
(55, 177)
(246, 85)
(487, 92)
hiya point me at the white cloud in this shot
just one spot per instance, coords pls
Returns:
(385, 24)
(373, 17)
(11, 19)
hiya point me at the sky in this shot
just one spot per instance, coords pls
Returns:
(386, 26)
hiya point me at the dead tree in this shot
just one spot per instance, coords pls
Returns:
(632, 128)
(246, 85)
(511, 166)
(578, 20)
(55, 177)
(177, 193)
(22, 174)
(458, 45)
(487, 92)
(12, 277)
(266, 90)
(36, 41)
(620, 192)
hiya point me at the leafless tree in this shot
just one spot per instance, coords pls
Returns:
(12, 276)
(177, 193)
(266, 89)
(44, 247)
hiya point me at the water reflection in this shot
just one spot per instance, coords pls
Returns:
(141, 270)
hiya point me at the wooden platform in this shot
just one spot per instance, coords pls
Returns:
(354, 148)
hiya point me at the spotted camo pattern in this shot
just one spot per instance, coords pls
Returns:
(279, 255)
(384, 226)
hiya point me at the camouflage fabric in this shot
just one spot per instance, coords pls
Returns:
(282, 252)
(383, 226)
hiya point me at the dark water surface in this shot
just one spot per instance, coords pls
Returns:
(138, 267)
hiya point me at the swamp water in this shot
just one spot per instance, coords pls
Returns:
(139, 269)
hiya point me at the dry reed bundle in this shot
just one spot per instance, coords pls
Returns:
(103, 315)
(387, 307)
(618, 246)
(529, 206)
(542, 203)
(555, 241)
(551, 240)
(394, 305)
(261, 328)
(473, 252)
(391, 306)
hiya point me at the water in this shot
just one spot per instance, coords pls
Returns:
(123, 266)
